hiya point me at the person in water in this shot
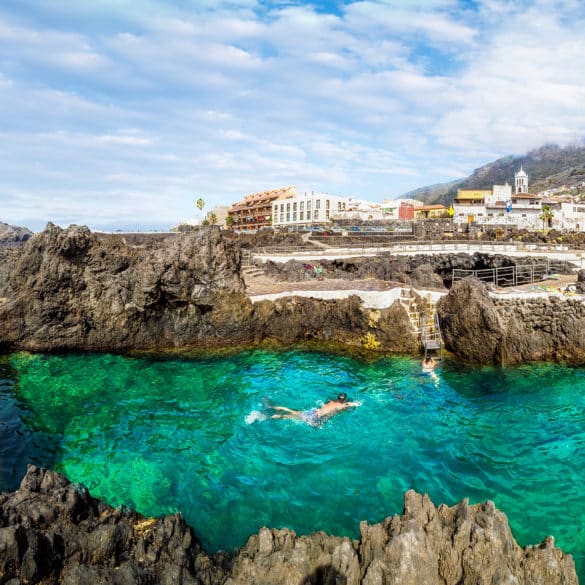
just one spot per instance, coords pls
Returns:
(314, 416)
(429, 363)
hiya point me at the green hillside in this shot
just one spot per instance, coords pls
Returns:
(548, 167)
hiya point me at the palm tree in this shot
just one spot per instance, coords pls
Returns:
(212, 218)
(200, 204)
(546, 216)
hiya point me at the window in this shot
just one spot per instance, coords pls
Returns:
(295, 214)
(318, 204)
(288, 207)
(308, 206)
(302, 215)
(326, 214)
(288, 216)
(281, 217)
(339, 206)
(302, 206)
(295, 206)
(281, 207)
(316, 214)
(326, 203)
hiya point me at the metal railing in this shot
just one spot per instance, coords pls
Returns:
(514, 275)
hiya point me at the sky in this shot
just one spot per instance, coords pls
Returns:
(120, 114)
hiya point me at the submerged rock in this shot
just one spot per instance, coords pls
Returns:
(52, 531)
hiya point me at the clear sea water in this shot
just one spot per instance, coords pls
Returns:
(166, 434)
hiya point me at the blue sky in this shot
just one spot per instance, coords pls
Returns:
(121, 113)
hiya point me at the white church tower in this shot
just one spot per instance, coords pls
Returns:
(521, 181)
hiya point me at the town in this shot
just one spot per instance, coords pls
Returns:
(501, 206)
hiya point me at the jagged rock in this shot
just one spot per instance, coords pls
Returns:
(72, 289)
(580, 286)
(11, 235)
(52, 531)
(419, 270)
(471, 326)
(484, 330)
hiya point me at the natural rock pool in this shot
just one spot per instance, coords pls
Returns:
(161, 434)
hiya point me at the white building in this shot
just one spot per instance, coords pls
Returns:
(305, 209)
(499, 206)
(567, 214)
(391, 207)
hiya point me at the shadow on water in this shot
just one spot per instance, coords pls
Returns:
(23, 441)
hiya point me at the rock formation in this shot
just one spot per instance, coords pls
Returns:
(419, 270)
(11, 235)
(72, 289)
(485, 330)
(52, 531)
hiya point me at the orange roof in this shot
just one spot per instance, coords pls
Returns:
(429, 207)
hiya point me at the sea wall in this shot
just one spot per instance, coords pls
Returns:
(482, 329)
(52, 531)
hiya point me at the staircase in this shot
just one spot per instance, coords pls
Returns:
(426, 326)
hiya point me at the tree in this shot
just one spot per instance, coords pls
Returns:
(546, 216)
(205, 222)
(200, 204)
(212, 218)
(229, 220)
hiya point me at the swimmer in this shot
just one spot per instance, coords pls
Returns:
(316, 415)
(429, 363)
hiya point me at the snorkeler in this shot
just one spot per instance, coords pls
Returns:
(314, 416)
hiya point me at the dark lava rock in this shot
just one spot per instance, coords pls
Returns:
(418, 270)
(580, 286)
(11, 235)
(73, 289)
(52, 531)
(481, 329)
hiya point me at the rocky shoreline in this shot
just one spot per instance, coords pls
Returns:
(52, 531)
(75, 290)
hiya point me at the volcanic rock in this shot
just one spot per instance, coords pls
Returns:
(485, 330)
(52, 531)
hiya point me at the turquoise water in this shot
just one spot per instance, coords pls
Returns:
(171, 434)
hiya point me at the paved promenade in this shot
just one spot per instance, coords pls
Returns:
(377, 294)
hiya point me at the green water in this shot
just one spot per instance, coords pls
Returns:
(170, 434)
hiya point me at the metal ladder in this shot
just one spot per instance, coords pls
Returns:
(431, 337)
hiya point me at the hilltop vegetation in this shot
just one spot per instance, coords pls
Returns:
(548, 167)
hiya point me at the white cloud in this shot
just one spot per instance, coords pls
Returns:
(125, 114)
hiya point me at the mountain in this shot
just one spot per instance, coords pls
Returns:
(548, 167)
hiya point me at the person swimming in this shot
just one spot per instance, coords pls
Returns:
(317, 415)
(428, 363)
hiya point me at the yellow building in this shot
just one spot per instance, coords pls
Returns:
(430, 212)
(471, 196)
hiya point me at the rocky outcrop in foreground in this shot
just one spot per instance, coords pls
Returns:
(73, 289)
(52, 531)
(485, 330)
